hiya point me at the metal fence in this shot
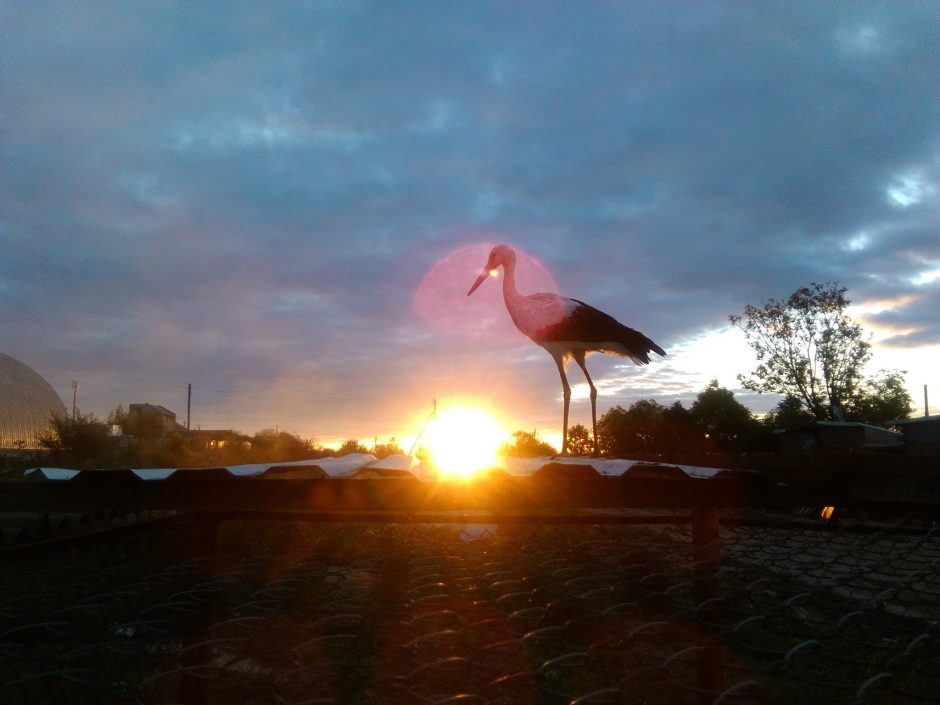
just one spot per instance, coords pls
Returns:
(251, 610)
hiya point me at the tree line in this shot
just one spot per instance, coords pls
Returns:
(715, 422)
(84, 442)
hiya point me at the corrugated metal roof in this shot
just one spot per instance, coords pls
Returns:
(914, 420)
(365, 465)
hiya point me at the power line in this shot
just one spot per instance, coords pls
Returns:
(432, 416)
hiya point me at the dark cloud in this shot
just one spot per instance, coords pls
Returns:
(248, 197)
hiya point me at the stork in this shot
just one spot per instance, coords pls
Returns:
(567, 328)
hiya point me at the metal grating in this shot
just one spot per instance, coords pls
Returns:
(388, 613)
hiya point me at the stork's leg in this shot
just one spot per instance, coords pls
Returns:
(579, 358)
(567, 389)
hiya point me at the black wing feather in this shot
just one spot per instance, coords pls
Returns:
(591, 325)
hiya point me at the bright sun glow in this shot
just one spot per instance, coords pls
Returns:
(463, 441)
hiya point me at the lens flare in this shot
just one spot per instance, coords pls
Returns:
(463, 441)
(441, 298)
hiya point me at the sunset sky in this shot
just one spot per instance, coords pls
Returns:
(285, 204)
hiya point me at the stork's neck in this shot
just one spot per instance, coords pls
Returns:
(510, 294)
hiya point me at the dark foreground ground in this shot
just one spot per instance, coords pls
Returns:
(301, 613)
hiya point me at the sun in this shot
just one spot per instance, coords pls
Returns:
(463, 441)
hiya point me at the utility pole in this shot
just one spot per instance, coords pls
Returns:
(926, 408)
(189, 402)
(74, 399)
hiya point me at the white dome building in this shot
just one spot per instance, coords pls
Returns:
(27, 402)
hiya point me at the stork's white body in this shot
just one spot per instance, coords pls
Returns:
(566, 328)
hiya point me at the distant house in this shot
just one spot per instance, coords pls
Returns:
(839, 436)
(921, 434)
(150, 421)
(220, 438)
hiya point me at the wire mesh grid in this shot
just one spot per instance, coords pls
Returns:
(294, 613)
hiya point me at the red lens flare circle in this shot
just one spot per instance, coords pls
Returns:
(441, 299)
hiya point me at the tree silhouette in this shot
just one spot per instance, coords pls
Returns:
(383, 450)
(807, 348)
(681, 430)
(725, 421)
(790, 413)
(637, 430)
(351, 446)
(81, 442)
(579, 440)
(271, 445)
(118, 416)
(527, 445)
(881, 399)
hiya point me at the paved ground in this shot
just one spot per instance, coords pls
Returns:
(297, 613)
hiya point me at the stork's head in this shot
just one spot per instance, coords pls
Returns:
(500, 256)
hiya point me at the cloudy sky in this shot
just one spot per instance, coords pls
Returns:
(284, 204)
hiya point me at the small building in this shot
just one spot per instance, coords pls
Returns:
(921, 434)
(151, 421)
(220, 438)
(839, 436)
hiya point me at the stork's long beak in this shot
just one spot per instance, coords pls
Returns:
(480, 279)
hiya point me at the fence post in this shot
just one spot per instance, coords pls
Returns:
(706, 557)
(203, 544)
